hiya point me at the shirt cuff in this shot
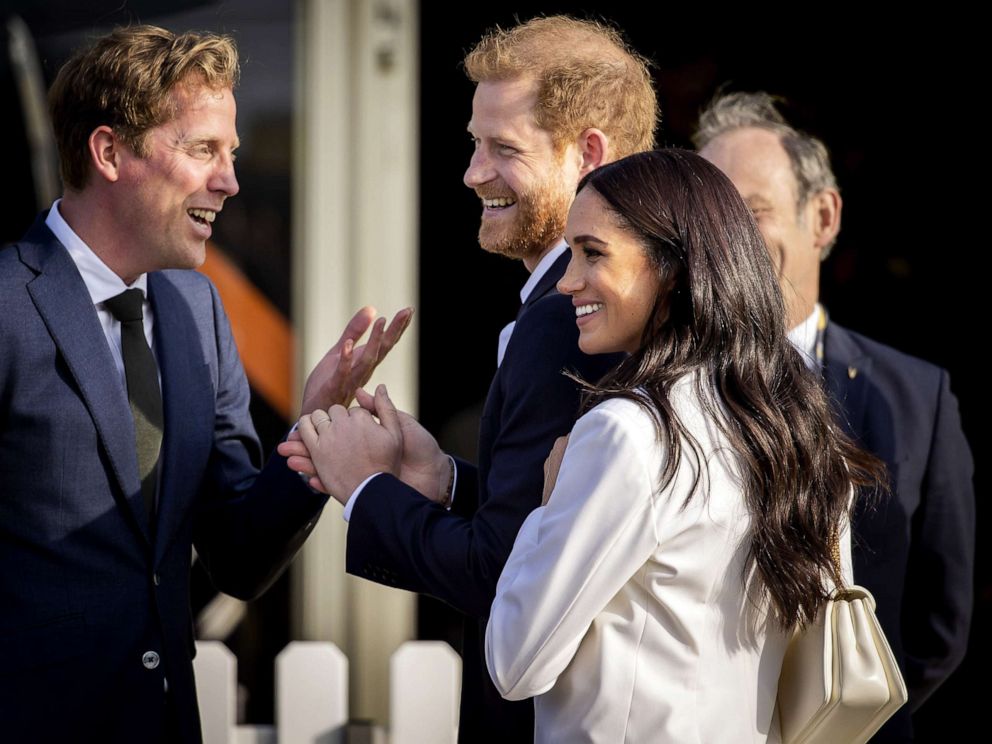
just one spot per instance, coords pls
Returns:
(354, 496)
(454, 482)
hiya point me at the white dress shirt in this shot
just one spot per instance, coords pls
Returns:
(539, 271)
(803, 337)
(102, 284)
(623, 609)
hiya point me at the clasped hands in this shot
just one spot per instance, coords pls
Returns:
(339, 447)
(343, 447)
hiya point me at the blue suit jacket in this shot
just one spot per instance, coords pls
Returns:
(398, 538)
(86, 590)
(915, 550)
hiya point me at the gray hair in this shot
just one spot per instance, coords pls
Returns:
(808, 156)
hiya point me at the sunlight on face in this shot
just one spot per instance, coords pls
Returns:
(610, 279)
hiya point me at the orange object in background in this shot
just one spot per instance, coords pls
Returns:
(264, 336)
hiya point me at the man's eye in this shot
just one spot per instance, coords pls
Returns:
(507, 150)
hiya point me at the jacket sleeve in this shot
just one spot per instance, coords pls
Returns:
(573, 555)
(940, 574)
(398, 538)
(249, 523)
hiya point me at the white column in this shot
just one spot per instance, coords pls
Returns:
(355, 243)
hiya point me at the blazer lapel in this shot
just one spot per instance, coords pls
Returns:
(546, 284)
(846, 371)
(64, 304)
(187, 403)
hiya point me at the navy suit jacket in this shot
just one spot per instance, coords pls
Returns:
(94, 608)
(398, 538)
(915, 550)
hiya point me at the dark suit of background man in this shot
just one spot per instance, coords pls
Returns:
(555, 98)
(96, 529)
(915, 551)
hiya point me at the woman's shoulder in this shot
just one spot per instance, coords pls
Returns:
(620, 411)
(638, 409)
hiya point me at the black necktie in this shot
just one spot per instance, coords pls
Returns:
(143, 392)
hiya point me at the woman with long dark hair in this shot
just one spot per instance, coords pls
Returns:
(702, 494)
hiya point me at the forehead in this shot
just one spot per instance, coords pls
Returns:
(200, 108)
(589, 214)
(504, 106)
(755, 161)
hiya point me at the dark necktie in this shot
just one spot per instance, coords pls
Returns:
(143, 393)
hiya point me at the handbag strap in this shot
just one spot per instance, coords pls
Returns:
(846, 593)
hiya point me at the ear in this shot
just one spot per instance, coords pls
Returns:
(594, 147)
(105, 151)
(824, 211)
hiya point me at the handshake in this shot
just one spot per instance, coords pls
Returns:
(340, 447)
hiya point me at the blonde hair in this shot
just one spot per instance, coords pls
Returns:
(126, 80)
(587, 76)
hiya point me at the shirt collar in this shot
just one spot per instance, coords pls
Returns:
(803, 336)
(542, 268)
(100, 280)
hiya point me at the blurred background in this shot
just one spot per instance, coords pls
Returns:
(352, 118)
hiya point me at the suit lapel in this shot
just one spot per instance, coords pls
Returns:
(846, 371)
(61, 298)
(546, 284)
(186, 400)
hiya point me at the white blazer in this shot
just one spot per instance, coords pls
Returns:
(625, 613)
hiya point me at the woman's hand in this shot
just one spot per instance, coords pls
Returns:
(551, 467)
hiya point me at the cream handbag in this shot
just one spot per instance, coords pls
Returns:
(839, 681)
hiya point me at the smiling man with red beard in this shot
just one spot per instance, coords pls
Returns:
(556, 97)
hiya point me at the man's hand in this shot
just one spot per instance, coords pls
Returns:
(347, 446)
(424, 466)
(551, 467)
(345, 367)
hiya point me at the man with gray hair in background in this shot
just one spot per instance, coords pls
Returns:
(914, 550)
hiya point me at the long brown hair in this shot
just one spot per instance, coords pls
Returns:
(722, 314)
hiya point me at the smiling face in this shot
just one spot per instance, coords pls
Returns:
(167, 200)
(612, 283)
(526, 186)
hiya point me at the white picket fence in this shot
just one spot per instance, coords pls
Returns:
(312, 696)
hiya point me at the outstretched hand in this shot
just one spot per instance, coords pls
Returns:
(347, 367)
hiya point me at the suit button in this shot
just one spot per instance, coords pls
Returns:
(150, 659)
(156, 579)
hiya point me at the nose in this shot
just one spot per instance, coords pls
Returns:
(480, 169)
(224, 179)
(571, 281)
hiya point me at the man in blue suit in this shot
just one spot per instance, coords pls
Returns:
(915, 550)
(125, 438)
(555, 98)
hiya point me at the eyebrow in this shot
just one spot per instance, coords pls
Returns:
(588, 239)
(757, 201)
(501, 137)
(194, 140)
